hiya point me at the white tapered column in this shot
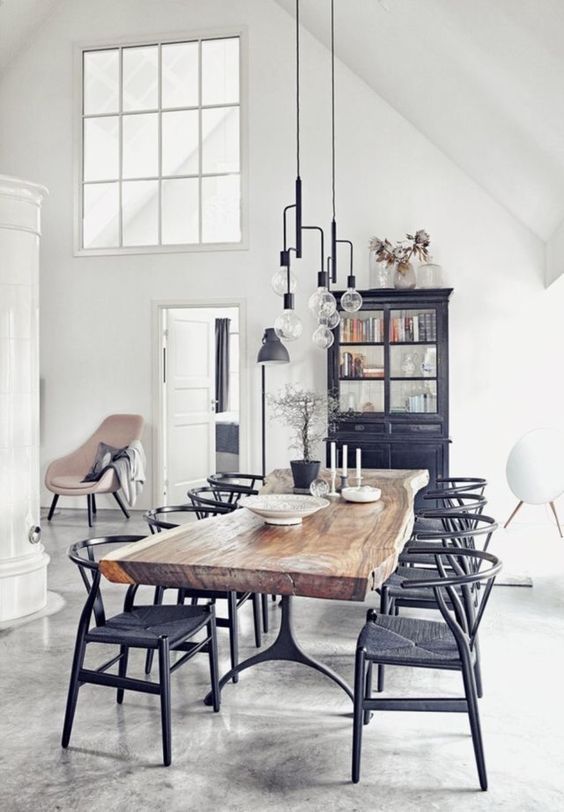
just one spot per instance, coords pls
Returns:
(23, 561)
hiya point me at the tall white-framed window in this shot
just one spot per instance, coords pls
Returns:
(160, 146)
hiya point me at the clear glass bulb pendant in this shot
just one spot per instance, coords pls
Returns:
(322, 303)
(332, 321)
(280, 282)
(323, 338)
(351, 300)
(288, 326)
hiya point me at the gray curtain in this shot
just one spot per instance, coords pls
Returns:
(222, 364)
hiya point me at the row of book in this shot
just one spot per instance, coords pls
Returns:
(419, 327)
(356, 366)
(370, 330)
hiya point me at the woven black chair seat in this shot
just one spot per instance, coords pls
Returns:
(428, 525)
(402, 641)
(145, 624)
(417, 552)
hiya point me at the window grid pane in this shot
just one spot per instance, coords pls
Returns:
(166, 161)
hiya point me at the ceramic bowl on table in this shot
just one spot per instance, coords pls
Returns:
(365, 493)
(282, 508)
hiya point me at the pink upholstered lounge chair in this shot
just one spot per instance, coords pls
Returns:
(64, 476)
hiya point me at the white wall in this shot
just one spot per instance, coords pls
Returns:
(96, 337)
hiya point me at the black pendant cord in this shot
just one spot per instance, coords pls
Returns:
(333, 205)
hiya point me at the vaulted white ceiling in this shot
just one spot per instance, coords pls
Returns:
(482, 79)
(18, 20)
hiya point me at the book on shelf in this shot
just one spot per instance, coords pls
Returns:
(407, 328)
(369, 330)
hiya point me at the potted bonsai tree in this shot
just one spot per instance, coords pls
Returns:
(306, 413)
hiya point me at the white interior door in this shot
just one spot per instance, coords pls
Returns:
(189, 402)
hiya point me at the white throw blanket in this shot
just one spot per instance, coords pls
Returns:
(130, 471)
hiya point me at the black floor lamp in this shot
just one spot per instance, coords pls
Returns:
(271, 352)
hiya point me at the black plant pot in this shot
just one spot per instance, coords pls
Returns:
(304, 472)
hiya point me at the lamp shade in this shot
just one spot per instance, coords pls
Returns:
(272, 350)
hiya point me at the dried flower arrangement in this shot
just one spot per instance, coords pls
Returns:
(403, 251)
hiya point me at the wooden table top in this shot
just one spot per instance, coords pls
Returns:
(340, 552)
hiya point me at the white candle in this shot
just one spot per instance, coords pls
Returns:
(358, 464)
(345, 453)
(333, 457)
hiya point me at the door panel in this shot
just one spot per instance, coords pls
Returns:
(190, 402)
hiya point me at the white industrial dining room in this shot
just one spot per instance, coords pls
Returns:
(281, 441)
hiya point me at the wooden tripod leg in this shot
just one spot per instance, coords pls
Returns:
(513, 514)
(553, 506)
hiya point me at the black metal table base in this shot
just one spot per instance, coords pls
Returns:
(285, 647)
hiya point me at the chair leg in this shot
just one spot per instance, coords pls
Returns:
(368, 690)
(89, 506)
(120, 502)
(94, 509)
(257, 619)
(74, 685)
(478, 670)
(53, 506)
(553, 506)
(164, 679)
(474, 717)
(157, 600)
(233, 632)
(122, 670)
(513, 514)
(264, 602)
(214, 670)
(359, 681)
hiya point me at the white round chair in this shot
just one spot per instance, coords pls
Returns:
(535, 470)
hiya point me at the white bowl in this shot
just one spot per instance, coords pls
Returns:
(363, 494)
(283, 508)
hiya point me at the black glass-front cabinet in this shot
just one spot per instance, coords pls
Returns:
(388, 368)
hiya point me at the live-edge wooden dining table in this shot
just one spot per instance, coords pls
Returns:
(342, 552)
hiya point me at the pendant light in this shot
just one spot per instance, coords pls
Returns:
(288, 325)
(351, 300)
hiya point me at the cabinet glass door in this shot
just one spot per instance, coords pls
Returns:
(361, 362)
(413, 361)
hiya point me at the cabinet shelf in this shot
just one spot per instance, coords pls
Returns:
(369, 378)
(411, 343)
(411, 378)
(362, 343)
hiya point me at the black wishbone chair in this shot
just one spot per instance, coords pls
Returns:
(231, 487)
(466, 531)
(223, 489)
(156, 628)
(462, 484)
(416, 643)
(156, 521)
(436, 520)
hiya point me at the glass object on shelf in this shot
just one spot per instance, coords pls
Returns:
(416, 362)
(404, 276)
(279, 282)
(429, 275)
(322, 337)
(368, 328)
(288, 325)
(363, 362)
(413, 397)
(361, 396)
(319, 487)
(351, 300)
(407, 326)
(429, 363)
(379, 274)
(408, 365)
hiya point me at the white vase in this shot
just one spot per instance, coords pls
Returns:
(429, 275)
(404, 276)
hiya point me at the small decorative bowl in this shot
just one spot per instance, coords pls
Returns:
(283, 508)
(365, 493)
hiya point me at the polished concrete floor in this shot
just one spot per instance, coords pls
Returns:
(283, 738)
